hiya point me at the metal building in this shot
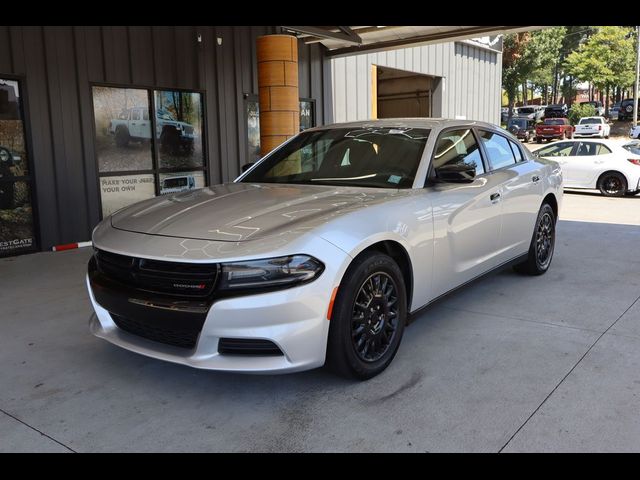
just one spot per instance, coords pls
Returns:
(459, 79)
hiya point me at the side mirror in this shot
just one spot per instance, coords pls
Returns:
(456, 173)
(247, 166)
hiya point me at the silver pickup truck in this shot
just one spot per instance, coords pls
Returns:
(133, 124)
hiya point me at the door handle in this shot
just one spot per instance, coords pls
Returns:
(535, 179)
(495, 197)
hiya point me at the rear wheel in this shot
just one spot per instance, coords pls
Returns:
(122, 137)
(612, 184)
(542, 243)
(368, 317)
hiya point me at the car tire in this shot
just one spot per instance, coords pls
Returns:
(542, 243)
(361, 348)
(122, 137)
(538, 140)
(612, 184)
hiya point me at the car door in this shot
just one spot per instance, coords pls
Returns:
(561, 152)
(134, 122)
(521, 192)
(588, 162)
(466, 215)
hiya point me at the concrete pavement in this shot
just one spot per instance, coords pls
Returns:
(510, 363)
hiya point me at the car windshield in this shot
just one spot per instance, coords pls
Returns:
(589, 121)
(554, 122)
(633, 147)
(520, 122)
(526, 110)
(385, 157)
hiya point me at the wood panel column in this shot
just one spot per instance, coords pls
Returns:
(278, 86)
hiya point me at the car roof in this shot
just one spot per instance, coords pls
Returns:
(594, 116)
(431, 123)
(606, 142)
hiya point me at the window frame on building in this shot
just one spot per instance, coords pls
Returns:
(30, 178)
(156, 170)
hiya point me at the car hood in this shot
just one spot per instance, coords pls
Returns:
(237, 212)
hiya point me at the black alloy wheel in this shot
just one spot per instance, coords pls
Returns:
(612, 184)
(542, 243)
(545, 236)
(368, 317)
(375, 317)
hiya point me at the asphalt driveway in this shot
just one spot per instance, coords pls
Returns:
(510, 363)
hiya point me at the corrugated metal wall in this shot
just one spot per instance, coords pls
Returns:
(471, 79)
(58, 64)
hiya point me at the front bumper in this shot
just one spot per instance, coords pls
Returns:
(295, 320)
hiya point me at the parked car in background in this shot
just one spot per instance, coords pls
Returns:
(133, 124)
(634, 132)
(532, 112)
(522, 128)
(322, 256)
(592, 127)
(558, 110)
(177, 184)
(614, 111)
(596, 164)
(597, 105)
(626, 109)
(553, 128)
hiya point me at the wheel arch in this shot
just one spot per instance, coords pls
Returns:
(400, 255)
(612, 171)
(553, 201)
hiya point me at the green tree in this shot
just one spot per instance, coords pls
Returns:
(547, 44)
(518, 61)
(605, 59)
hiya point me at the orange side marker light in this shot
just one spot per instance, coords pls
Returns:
(333, 299)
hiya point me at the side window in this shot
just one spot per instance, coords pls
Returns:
(517, 153)
(135, 114)
(498, 150)
(602, 149)
(558, 150)
(458, 147)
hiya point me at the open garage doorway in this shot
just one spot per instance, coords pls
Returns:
(400, 93)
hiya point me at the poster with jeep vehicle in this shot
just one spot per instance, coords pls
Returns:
(136, 149)
(16, 215)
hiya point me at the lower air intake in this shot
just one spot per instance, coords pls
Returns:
(243, 346)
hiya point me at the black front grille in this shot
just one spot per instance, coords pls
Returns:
(244, 346)
(177, 338)
(173, 278)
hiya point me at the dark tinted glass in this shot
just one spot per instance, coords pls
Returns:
(458, 147)
(498, 149)
(368, 157)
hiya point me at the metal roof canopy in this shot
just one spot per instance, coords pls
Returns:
(352, 40)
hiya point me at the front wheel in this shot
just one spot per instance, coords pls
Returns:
(542, 243)
(612, 184)
(368, 318)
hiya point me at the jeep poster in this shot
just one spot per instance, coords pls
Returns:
(16, 215)
(133, 145)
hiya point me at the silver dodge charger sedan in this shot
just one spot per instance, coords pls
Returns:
(323, 250)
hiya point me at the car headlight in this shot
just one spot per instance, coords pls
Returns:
(281, 272)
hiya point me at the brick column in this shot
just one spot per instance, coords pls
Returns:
(278, 86)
